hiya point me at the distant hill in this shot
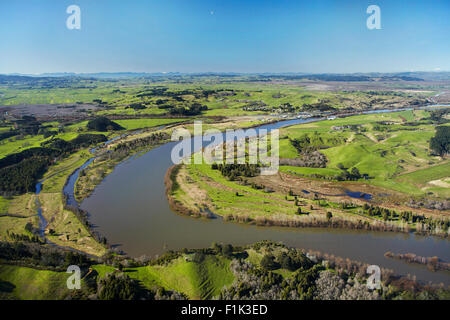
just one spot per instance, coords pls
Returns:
(371, 76)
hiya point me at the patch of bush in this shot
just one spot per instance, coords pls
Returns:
(440, 143)
(103, 124)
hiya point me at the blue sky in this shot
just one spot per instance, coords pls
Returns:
(224, 36)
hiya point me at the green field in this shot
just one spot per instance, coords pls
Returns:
(395, 156)
(18, 144)
(226, 202)
(16, 213)
(329, 172)
(391, 149)
(199, 187)
(426, 179)
(132, 124)
(228, 99)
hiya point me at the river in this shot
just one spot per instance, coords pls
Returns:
(130, 208)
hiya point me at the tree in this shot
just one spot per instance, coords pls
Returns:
(103, 124)
(227, 250)
(118, 287)
(305, 283)
(293, 260)
(268, 262)
(329, 286)
(216, 247)
(198, 257)
(137, 106)
(355, 173)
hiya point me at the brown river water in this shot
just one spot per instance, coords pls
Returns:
(130, 208)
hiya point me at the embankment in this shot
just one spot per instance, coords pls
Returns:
(294, 221)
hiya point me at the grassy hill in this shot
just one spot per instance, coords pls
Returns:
(393, 148)
(32, 284)
(264, 270)
(197, 280)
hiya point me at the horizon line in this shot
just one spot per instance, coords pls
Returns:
(221, 72)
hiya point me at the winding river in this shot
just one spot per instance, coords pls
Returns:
(130, 208)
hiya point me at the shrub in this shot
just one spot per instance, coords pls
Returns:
(268, 262)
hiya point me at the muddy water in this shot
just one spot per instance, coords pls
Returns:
(130, 208)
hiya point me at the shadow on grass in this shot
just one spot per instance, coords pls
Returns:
(6, 287)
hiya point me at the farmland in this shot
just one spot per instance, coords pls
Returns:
(139, 97)
(388, 151)
(396, 156)
(385, 155)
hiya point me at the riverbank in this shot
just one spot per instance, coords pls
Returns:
(391, 151)
(58, 225)
(103, 164)
(293, 200)
(262, 270)
(296, 201)
(65, 229)
(432, 263)
(150, 227)
(202, 193)
(108, 158)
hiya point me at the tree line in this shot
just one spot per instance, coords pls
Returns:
(20, 171)
(233, 171)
